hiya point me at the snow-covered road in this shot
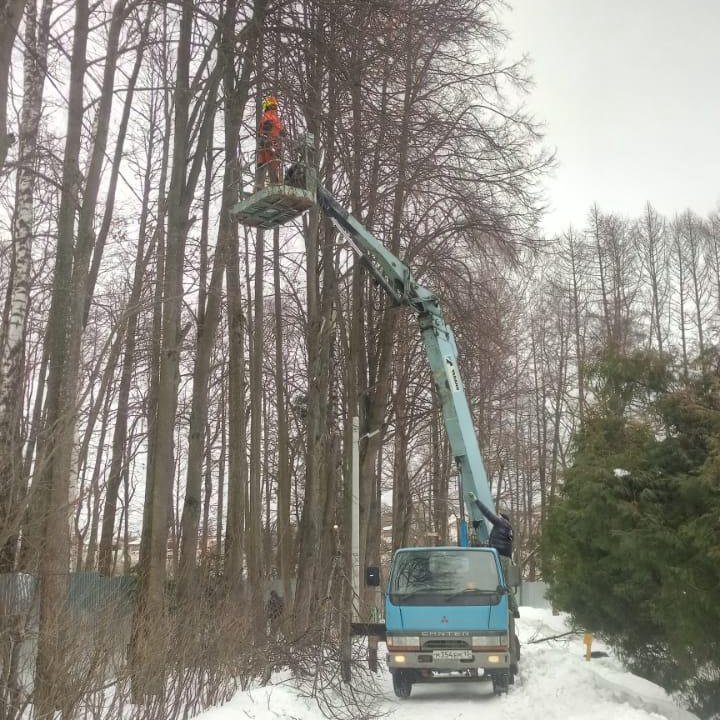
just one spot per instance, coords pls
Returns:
(555, 683)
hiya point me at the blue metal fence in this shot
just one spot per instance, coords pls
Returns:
(87, 592)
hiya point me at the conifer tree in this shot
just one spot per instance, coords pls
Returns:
(631, 546)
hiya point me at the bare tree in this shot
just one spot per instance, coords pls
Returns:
(10, 16)
(574, 257)
(615, 261)
(150, 622)
(713, 256)
(694, 233)
(680, 291)
(52, 499)
(142, 256)
(654, 257)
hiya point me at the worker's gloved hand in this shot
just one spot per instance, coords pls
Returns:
(472, 497)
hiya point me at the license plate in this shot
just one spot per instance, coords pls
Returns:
(452, 655)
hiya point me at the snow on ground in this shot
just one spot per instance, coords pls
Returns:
(555, 683)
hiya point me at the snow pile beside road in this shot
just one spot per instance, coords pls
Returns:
(555, 683)
(633, 689)
(556, 679)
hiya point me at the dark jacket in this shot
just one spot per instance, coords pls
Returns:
(275, 606)
(501, 535)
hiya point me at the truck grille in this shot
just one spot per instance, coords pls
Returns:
(446, 644)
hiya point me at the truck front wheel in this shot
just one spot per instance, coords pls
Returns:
(402, 684)
(500, 681)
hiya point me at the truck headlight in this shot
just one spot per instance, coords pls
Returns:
(403, 642)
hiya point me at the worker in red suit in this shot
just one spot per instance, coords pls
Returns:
(270, 136)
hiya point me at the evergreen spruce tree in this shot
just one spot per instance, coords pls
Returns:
(632, 544)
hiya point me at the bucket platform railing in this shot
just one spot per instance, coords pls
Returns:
(279, 203)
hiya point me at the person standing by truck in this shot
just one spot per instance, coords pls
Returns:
(501, 538)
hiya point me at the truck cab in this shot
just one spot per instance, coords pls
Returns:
(447, 617)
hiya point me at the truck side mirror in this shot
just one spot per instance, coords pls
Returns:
(372, 576)
(513, 576)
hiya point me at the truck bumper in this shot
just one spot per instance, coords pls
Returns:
(494, 660)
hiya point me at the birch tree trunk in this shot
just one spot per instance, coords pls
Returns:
(13, 478)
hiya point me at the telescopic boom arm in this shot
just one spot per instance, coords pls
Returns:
(439, 341)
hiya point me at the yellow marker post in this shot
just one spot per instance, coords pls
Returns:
(588, 645)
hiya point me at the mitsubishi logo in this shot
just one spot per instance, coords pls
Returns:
(444, 620)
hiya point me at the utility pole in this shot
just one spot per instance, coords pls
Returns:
(355, 518)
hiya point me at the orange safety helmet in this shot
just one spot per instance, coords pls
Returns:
(269, 103)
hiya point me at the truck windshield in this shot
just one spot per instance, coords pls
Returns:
(444, 577)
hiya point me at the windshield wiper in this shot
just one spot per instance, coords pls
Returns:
(467, 591)
(412, 593)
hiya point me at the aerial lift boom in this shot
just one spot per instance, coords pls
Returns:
(397, 280)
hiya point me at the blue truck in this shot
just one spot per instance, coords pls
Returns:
(447, 615)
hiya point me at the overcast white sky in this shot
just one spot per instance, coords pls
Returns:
(629, 91)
